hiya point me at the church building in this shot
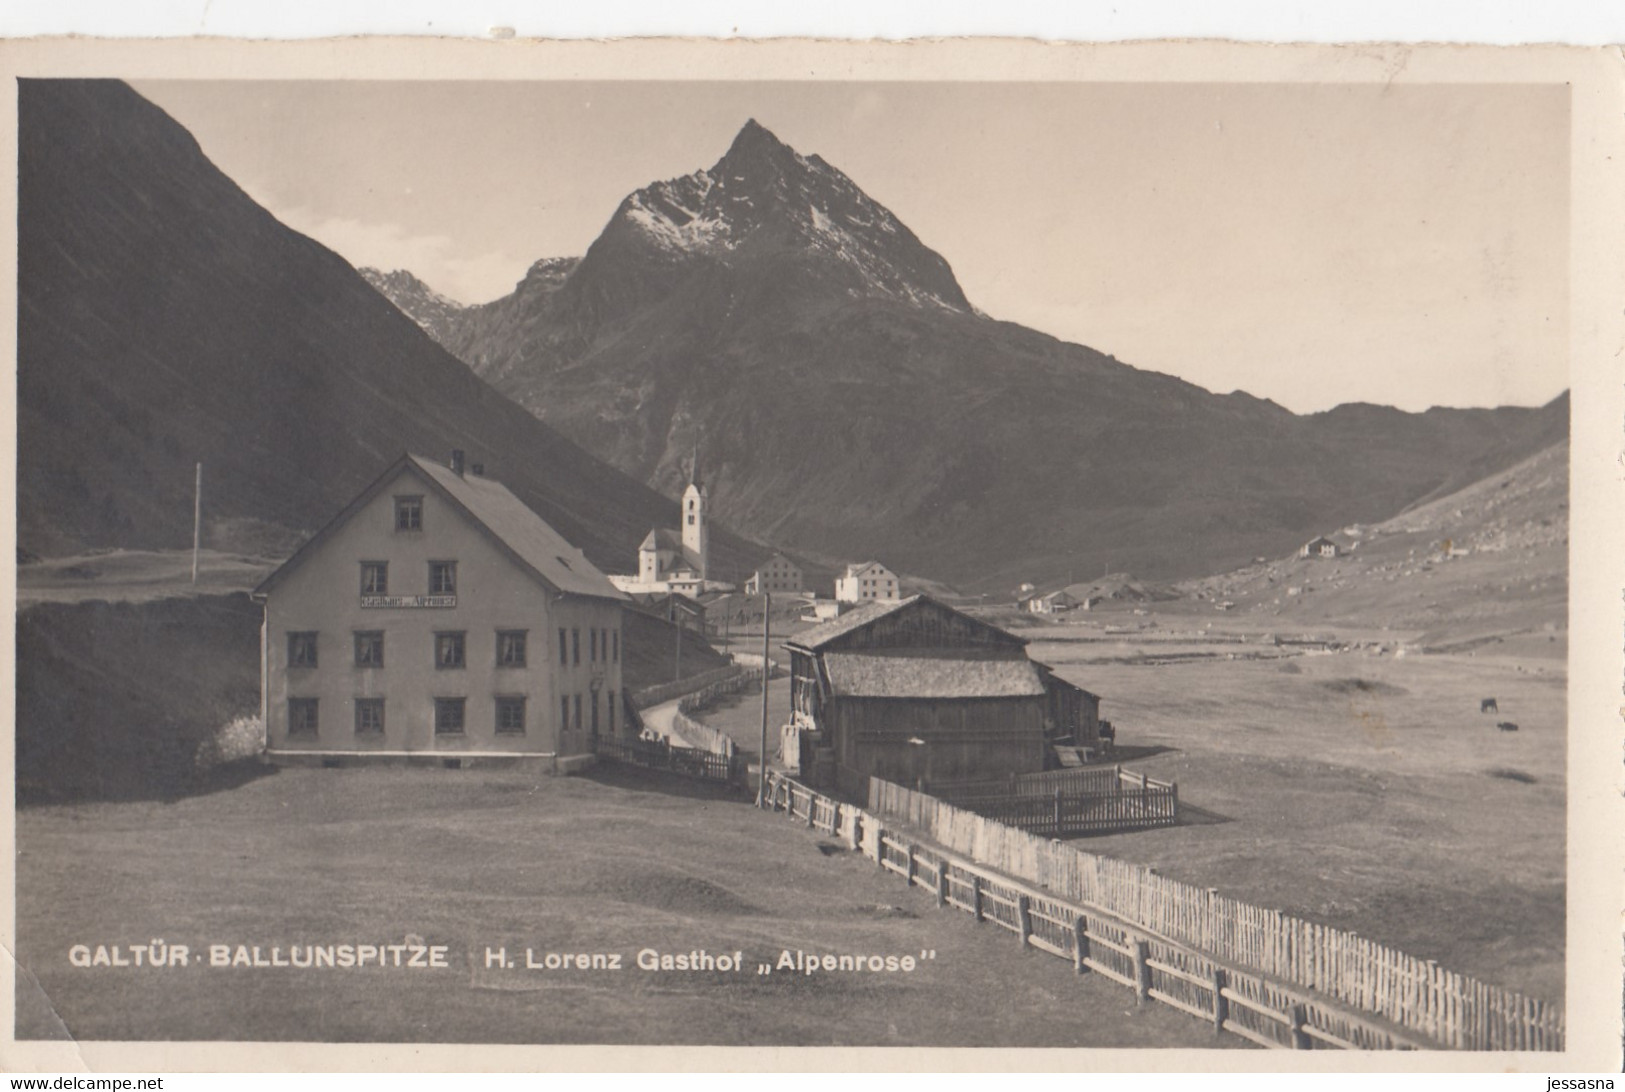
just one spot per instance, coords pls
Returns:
(675, 560)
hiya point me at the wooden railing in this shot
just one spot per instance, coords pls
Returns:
(686, 761)
(663, 692)
(1156, 968)
(1098, 801)
(1450, 1009)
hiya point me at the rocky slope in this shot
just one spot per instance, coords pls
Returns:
(165, 319)
(849, 401)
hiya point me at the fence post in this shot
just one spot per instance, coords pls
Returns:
(942, 882)
(853, 839)
(1142, 972)
(812, 809)
(880, 847)
(1024, 918)
(1057, 811)
(1221, 1007)
(1300, 1017)
(1080, 945)
(976, 896)
(908, 877)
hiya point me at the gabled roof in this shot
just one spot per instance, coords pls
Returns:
(856, 618)
(503, 517)
(866, 613)
(863, 567)
(904, 675)
(662, 538)
(765, 562)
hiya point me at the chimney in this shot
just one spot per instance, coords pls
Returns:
(457, 461)
(478, 470)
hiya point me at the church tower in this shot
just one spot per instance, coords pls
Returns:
(694, 536)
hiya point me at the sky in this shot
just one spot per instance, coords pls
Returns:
(1314, 244)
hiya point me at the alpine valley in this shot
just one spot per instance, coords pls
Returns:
(849, 401)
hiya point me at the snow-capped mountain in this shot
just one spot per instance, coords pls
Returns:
(849, 401)
(429, 309)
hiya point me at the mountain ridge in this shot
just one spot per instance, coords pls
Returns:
(165, 319)
(853, 403)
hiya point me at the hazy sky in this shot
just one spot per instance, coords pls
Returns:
(1310, 243)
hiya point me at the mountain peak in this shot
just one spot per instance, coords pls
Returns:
(754, 147)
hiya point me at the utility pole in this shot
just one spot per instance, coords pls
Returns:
(767, 624)
(677, 662)
(197, 519)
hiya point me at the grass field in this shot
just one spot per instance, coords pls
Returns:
(1352, 789)
(471, 859)
(1362, 791)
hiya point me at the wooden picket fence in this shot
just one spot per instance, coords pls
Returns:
(1450, 1009)
(1097, 801)
(1156, 968)
(686, 761)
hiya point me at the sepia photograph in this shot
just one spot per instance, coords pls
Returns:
(995, 554)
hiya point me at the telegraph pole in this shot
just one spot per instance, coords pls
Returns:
(767, 624)
(677, 662)
(197, 519)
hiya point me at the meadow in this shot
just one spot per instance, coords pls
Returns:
(470, 860)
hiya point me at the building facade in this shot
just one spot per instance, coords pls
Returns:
(868, 581)
(439, 616)
(778, 574)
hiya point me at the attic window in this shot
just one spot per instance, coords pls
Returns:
(409, 513)
(563, 562)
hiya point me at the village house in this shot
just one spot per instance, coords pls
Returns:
(438, 617)
(1051, 603)
(778, 574)
(914, 691)
(870, 580)
(1320, 546)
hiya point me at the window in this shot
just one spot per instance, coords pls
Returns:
(691, 519)
(369, 648)
(375, 578)
(510, 648)
(442, 578)
(592, 644)
(595, 712)
(448, 650)
(409, 513)
(617, 646)
(564, 649)
(575, 647)
(611, 704)
(448, 716)
(301, 650)
(510, 716)
(369, 716)
(302, 717)
(564, 714)
(576, 723)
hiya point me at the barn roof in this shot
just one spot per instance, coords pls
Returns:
(856, 618)
(912, 675)
(820, 636)
(503, 517)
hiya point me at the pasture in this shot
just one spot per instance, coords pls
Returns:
(615, 862)
(1357, 790)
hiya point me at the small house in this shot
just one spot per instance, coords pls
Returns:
(868, 581)
(777, 575)
(1320, 546)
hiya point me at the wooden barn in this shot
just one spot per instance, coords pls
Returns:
(914, 691)
(439, 617)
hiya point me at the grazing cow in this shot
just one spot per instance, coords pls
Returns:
(1507, 726)
(1488, 706)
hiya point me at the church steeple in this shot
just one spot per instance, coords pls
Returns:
(695, 540)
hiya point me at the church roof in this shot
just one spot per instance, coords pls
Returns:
(663, 538)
